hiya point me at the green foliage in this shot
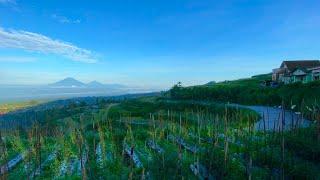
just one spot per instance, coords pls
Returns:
(302, 143)
(249, 91)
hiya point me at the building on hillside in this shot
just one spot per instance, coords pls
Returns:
(297, 71)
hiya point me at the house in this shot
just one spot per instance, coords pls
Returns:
(301, 75)
(315, 73)
(297, 71)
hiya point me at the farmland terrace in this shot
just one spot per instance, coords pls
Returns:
(151, 138)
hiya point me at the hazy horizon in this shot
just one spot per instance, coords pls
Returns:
(152, 43)
(129, 85)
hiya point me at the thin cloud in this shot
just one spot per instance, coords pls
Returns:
(64, 20)
(17, 59)
(43, 44)
(7, 1)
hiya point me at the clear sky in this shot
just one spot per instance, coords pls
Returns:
(152, 43)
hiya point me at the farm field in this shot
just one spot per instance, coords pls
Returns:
(149, 138)
(8, 107)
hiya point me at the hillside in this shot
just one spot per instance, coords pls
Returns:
(254, 81)
(250, 91)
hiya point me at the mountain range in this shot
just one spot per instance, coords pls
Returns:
(73, 83)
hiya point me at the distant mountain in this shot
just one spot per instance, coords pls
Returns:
(71, 82)
(95, 84)
(68, 82)
(115, 86)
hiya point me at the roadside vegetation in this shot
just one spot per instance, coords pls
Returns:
(251, 92)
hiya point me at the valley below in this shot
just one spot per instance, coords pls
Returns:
(15, 93)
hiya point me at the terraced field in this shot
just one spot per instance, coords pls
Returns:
(144, 139)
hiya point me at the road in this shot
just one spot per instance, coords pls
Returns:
(271, 118)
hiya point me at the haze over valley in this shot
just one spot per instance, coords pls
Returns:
(66, 88)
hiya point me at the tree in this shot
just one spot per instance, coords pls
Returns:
(175, 90)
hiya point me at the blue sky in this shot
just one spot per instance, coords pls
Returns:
(152, 43)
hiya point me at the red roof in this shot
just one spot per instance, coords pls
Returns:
(292, 65)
